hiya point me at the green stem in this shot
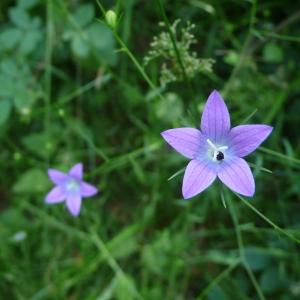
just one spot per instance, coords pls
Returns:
(173, 39)
(279, 229)
(242, 251)
(48, 62)
(244, 51)
(131, 56)
(218, 279)
(114, 265)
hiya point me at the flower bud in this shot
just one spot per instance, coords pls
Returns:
(111, 18)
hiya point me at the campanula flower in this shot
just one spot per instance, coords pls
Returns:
(217, 150)
(70, 188)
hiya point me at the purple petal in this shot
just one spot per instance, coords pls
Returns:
(56, 195)
(237, 175)
(197, 177)
(246, 138)
(87, 190)
(76, 171)
(215, 121)
(57, 177)
(186, 141)
(74, 204)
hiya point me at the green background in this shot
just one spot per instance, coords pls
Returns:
(70, 92)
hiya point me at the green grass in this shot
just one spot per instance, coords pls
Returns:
(72, 89)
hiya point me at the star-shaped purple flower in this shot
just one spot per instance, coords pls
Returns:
(69, 188)
(217, 150)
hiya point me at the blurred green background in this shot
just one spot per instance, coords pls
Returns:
(71, 91)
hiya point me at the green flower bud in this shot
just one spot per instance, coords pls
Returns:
(111, 18)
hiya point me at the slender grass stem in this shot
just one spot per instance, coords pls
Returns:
(114, 265)
(279, 155)
(244, 51)
(48, 63)
(242, 251)
(218, 279)
(279, 229)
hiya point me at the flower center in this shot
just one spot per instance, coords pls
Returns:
(72, 185)
(215, 151)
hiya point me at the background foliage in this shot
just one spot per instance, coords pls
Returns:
(69, 92)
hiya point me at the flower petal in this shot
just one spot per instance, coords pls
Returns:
(74, 204)
(57, 177)
(237, 175)
(187, 141)
(197, 177)
(215, 121)
(246, 138)
(76, 171)
(87, 190)
(56, 195)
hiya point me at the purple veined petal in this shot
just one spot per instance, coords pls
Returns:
(57, 177)
(87, 190)
(74, 204)
(187, 141)
(56, 195)
(197, 177)
(76, 171)
(244, 139)
(236, 174)
(215, 121)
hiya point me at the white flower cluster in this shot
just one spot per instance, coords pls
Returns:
(162, 48)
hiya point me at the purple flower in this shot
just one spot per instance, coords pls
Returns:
(69, 188)
(217, 150)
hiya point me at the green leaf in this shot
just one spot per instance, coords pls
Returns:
(10, 37)
(256, 259)
(27, 4)
(42, 144)
(272, 53)
(270, 280)
(5, 109)
(84, 14)
(29, 41)
(80, 47)
(102, 39)
(19, 17)
(31, 182)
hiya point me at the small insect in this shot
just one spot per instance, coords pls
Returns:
(220, 156)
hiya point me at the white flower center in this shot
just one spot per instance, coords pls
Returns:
(72, 185)
(216, 151)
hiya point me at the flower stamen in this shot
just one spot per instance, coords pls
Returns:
(216, 153)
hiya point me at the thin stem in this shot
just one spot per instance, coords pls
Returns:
(242, 251)
(173, 39)
(290, 236)
(135, 61)
(48, 62)
(131, 56)
(279, 155)
(218, 279)
(244, 51)
(114, 265)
